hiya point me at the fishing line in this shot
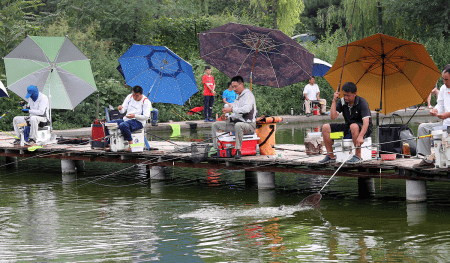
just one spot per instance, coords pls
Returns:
(346, 46)
(43, 154)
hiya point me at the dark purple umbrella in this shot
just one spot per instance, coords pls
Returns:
(260, 55)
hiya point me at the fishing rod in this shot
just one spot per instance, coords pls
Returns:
(346, 46)
(178, 115)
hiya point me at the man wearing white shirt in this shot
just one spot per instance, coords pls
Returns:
(137, 108)
(312, 92)
(37, 107)
(442, 111)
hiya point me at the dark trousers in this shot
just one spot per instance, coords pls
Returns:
(126, 127)
(208, 106)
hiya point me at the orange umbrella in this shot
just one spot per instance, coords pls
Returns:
(390, 73)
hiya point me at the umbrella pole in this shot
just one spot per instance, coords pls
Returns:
(378, 110)
(253, 65)
(97, 106)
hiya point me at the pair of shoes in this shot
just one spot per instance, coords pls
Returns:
(323, 113)
(211, 120)
(154, 124)
(16, 141)
(206, 120)
(238, 155)
(424, 164)
(327, 159)
(430, 107)
(354, 160)
(308, 114)
(31, 142)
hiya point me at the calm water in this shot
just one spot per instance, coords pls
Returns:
(203, 215)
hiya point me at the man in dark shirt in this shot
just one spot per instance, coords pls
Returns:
(358, 122)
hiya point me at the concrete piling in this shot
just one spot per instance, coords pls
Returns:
(416, 190)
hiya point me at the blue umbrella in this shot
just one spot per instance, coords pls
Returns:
(163, 75)
(320, 67)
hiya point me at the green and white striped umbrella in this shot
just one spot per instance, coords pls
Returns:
(55, 66)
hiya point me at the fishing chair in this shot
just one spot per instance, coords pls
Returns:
(312, 104)
(118, 143)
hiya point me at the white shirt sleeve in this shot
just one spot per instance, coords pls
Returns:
(125, 103)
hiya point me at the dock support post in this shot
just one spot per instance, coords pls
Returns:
(264, 180)
(366, 187)
(11, 161)
(68, 166)
(80, 165)
(157, 173)
(416, 190)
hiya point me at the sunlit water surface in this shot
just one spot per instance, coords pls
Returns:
(200, 215)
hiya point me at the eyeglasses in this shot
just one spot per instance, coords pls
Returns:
(235, 86)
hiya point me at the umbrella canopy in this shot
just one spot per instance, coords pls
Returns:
(260, 55)
(390, 73)
(54, 65)
(320, 67)
(163, 75)
(3, 92)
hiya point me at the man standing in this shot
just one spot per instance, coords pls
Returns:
(38, 109)
(442, 111)
(242, 119)
(358, 122)
(229, 95)
(137, 108)
(209, 87)
(312, 92)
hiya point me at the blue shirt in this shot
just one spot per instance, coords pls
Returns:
(229, 96)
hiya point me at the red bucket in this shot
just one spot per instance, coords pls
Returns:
(316, 111)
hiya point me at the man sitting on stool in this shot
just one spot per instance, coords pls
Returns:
(242, 119)
(37, 107)
(358, 122)
(311, 92)
(137, 108)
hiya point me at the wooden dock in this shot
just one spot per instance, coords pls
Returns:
(290, 160)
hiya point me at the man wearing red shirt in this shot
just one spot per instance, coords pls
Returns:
(208, 93)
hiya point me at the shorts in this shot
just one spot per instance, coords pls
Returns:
(344, 127)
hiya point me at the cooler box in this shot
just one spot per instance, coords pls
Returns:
(119, 144)
(227, 143)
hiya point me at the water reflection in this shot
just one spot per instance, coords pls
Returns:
(198, 215)
(416, 213)
(266, 197)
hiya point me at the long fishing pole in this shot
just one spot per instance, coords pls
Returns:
(346, 47)
(178, 115)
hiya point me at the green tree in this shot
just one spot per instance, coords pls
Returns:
(279, 14)
(416, 19)
(309, 16)
(16, 21)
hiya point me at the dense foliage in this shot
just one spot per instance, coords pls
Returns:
(105, 29)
